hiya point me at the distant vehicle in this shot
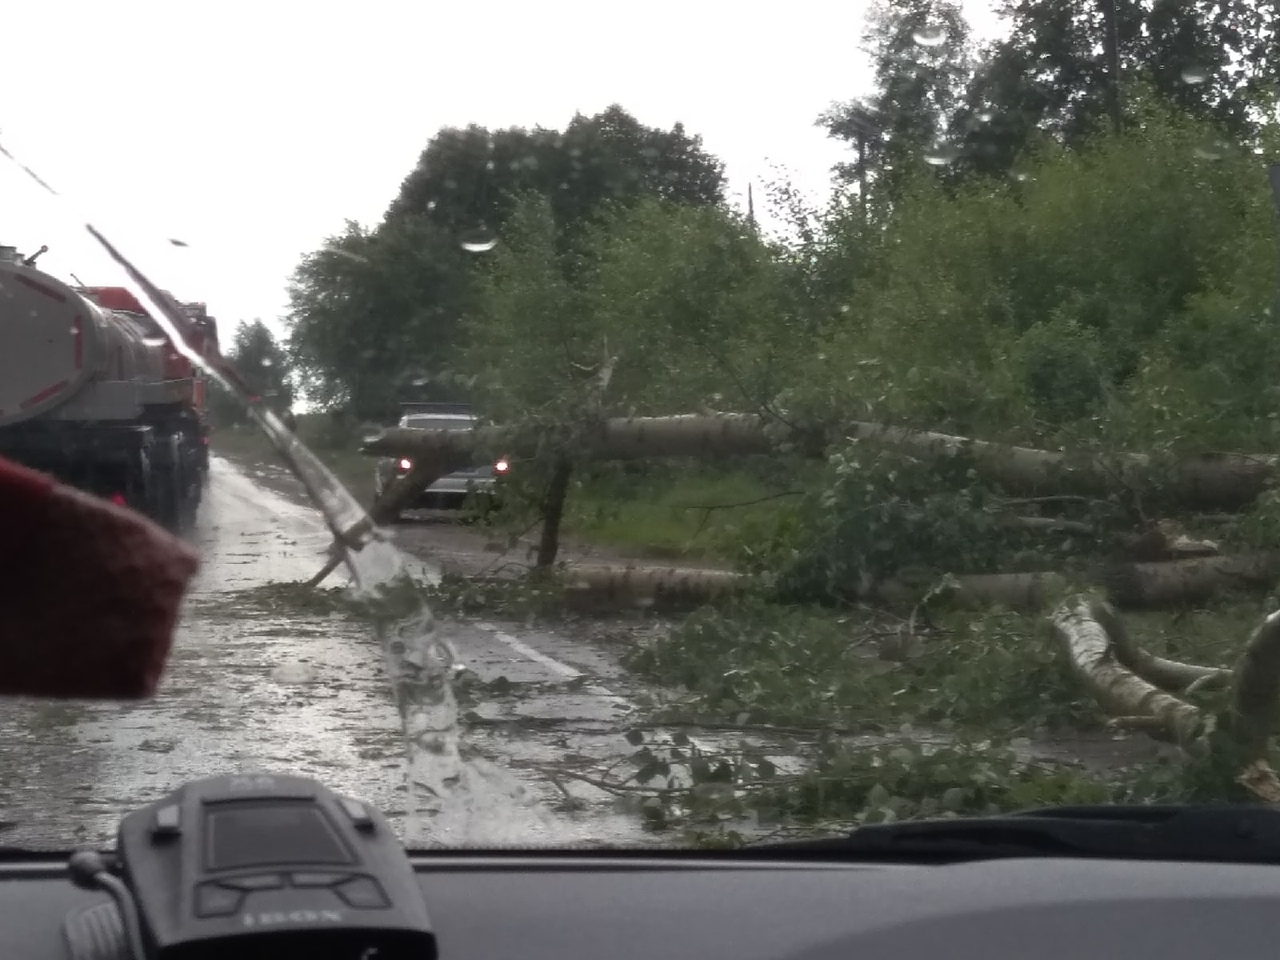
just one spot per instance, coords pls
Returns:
(450, 492)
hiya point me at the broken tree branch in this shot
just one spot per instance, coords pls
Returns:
(1122, 693)
(633, 584)
(1171, 675)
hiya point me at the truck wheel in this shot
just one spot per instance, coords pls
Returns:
(166, 499)
(175, 498)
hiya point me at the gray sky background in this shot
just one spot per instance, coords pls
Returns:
(250, 131)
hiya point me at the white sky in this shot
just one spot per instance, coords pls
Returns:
(250, 131)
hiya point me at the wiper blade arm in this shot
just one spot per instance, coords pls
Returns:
(1239, 834)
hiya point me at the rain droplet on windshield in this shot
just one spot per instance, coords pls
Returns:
(934, 36)
(479, 240)
(986, 116)
(1195, 74)
(941, 154)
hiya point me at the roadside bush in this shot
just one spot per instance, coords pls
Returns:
(880, 515)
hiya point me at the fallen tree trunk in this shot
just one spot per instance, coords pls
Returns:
(1163, 584)
(1120, 691)
(621, 438)
(1166, 674)
(1144, 585)
(634, 585)
(1211, 481)
(1187, 582)
(1228, 481)
(1233, 745)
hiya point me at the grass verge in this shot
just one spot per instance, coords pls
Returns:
(682, 511)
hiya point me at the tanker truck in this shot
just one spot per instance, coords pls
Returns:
(93, 393)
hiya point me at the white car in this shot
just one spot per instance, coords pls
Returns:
(450, 492)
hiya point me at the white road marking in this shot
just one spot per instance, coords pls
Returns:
(528, 652)
(538, 657)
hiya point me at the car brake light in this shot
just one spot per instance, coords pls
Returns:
(502, 466)
(405, 465)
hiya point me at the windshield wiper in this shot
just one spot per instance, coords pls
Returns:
(1232, 834)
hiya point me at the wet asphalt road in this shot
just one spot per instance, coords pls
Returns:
(247, 692)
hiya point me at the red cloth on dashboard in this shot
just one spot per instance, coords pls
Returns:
(89, 592)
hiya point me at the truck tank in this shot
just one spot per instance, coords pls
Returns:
(56, 345)
(89, 395)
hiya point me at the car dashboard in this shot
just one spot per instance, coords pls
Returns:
(533, 905)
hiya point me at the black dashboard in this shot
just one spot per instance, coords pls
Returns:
(531, 906)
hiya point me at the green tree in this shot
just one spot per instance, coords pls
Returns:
(1211, 58)
(657, 307)
(1029, 307)
(263, 365)
(685, 306)
(923, 64)
(467, 181)
(374, 314)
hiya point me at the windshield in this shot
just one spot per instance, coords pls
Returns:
(880, 399)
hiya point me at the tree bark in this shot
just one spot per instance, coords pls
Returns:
(1171, 675)
(1147, 585)
(1187, 582)
(1119, 691)
(553, 513)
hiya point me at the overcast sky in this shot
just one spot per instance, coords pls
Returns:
(250, 131)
